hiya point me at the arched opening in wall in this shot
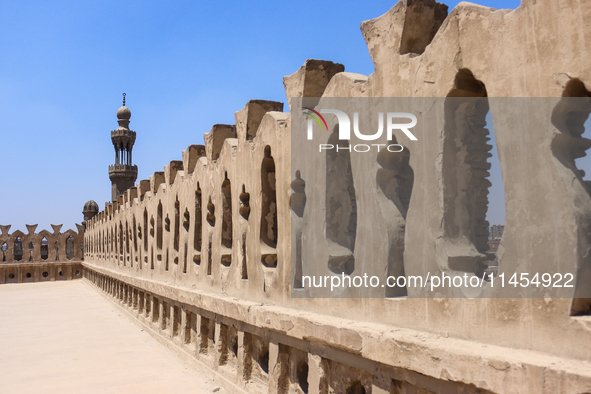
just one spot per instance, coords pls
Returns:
(197, 236)
(134, 236)
(18, 249)
(114, 243)
(152, 258)
(211, 220)
(127, 238)
(263, 358)
(466, 176)
(495, 215)
(185, 259)
(31, 250)
(5, 249)
(297, 203)
(186, 220)
(177, 224)
(341, 207)
(70, 247)
(56, 246)
(121, 240)
(269, 234)
(159, 226)
(244, 211)
(186, 226)
(209, 255)
(82, 250)
(395, 180)
(211, 213)
(302, 376)
(145, 230)
(571, 117)
(226, 248)
(204, 334)
(244, 203)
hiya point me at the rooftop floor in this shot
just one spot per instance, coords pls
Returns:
(65, 337)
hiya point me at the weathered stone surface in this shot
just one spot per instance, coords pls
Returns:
(191, 155)
(311, 79)
(249, 118)
(217, 241)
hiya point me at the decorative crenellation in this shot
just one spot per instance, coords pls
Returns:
(201, 252)
(44, 246)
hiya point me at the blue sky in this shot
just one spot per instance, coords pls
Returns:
(184, 65)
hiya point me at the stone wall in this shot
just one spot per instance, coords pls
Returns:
(199, 254)
(42, 256)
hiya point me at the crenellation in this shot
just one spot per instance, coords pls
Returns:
(248, 119)
(155, 181)
(171, 170)
(190, 157)
(143, 186)
(42, 256)
(202, 259)
(311, 79)
(214, 140)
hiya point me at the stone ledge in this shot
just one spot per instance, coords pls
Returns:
(428, 354)
(38, 264)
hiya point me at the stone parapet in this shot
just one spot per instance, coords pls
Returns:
(44, 246)
(220, 220)
(253, 347)
(40, 271)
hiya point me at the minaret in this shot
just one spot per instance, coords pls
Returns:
(123, 173)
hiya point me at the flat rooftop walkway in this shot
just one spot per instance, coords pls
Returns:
(65, 337)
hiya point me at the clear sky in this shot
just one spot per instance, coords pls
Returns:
(184, 65)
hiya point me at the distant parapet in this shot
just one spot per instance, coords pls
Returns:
(44, 246)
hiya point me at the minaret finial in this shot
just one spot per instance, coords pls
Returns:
(124, 99)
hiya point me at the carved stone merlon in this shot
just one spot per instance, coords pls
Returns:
(214, 140)
(171, 170)
(5, 228)
(143, 187)
(156, 180)
(190, 157)
(249, 118)
(56, 228)
(31, 228)
(130, 194)
(311, 79)
(408, 27)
